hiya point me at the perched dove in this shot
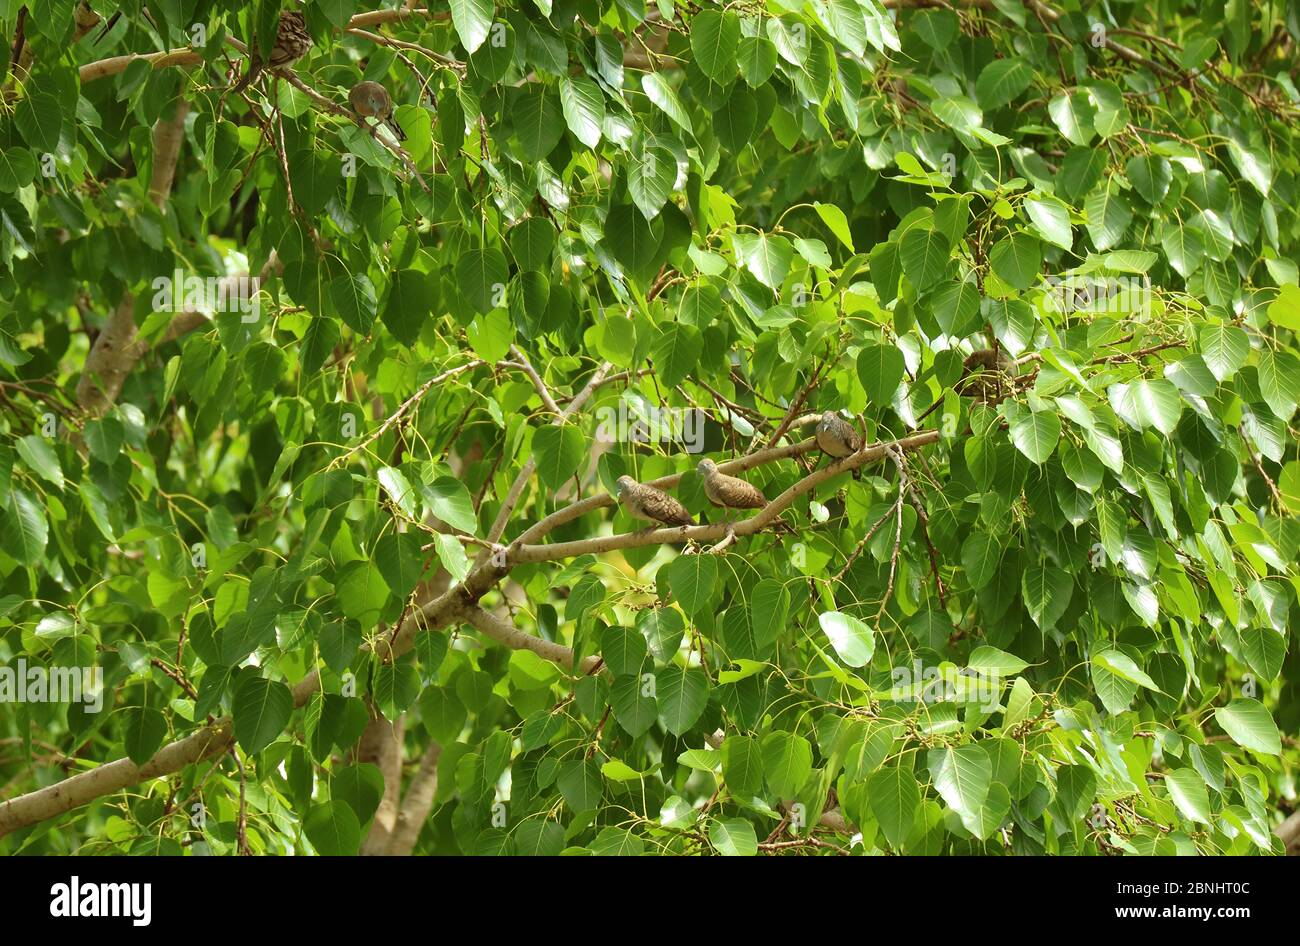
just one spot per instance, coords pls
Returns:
(724, 490)
(985, 375)
(291, 43)
(650, 504)
(836, 436)
(371, 100)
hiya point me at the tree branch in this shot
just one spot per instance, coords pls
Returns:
(111, 357)
(517, 487)
(520, 553)
(53, 800)
(510, 636)
(381, 745)
(457, 603)
(417, 803)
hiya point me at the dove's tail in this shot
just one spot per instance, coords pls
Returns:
(397, 129)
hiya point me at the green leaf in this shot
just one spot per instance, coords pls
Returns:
(715, 37)
(1224, 348)
(676, 353)
(353, 297)
(618, 771)
(1187, 789)
(1122, 665)
(980, 556)
(1036, 434)
(41, 459)
(449, 500)
(880, 369)
(1108, 216)
(1047, 591)
(539, 122)
(473, 21)
(852, 639)
(737, 120)
(733, 837)
(481, 275)
(584, 108)
(1285, 309)
(580, 783)
(412, 299)
(400, 560)
(650, 180)
(787, 762)
(768, 257)
(1002, 81)
(1051, 220)
(398, 488)
(924, 254)
(39, 120)
(894, 797)
(333, 829)
(691, 579)
(1016, 260)
(681, 695)
(17, 169)
(836, 222)
(624, 650)
(756, 57)
(742, 766)
(1073, 114)
(1250, 725)
(659, 92)
(143, 732)
(261, 709)
(1151, 176)
(634, 704)
(961, 776)
(1157, 403)
(1183, 247)
(990, 660)
(559, 451)
(24, 527)
(1279, 382)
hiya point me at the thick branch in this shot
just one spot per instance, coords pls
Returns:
(602, 500)
(381, 745)
(521, 553)
(111, 357)
(503, 632)
(417, 802)
(53, 800)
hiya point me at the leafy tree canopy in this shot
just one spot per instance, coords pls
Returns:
(312, 434)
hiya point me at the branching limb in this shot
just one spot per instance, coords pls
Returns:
(542, 391)
(503, 632)
(520, 553)
(381, 745)
(417, 803)
(517, 487)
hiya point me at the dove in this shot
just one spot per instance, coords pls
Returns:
(836, 436)
(291, 43)
(724, 490)
(650, 504)
(371, 100)
(985, 375)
